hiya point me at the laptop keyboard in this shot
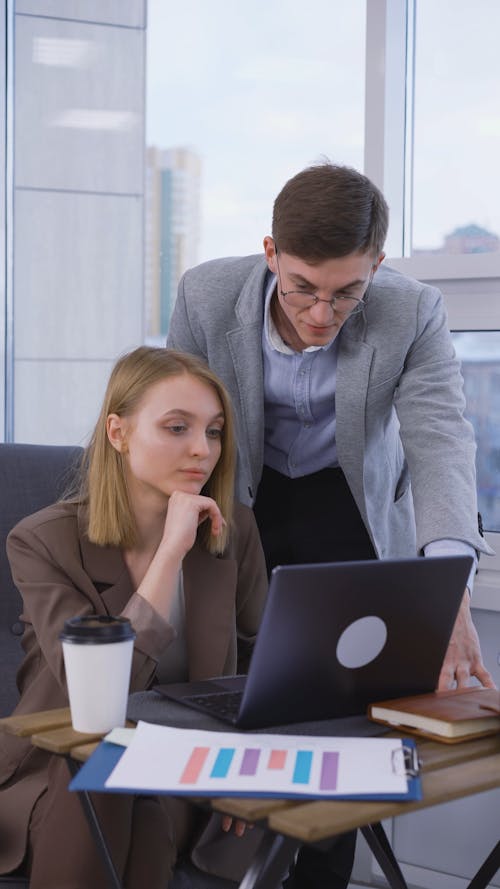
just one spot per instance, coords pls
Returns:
(225, 704)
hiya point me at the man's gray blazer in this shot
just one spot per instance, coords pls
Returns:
(399, 399)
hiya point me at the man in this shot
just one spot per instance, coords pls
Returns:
(347, 392)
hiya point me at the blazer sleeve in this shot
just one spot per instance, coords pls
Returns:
(49, 594)
(54, 588)
(438, 441)
(181, 333)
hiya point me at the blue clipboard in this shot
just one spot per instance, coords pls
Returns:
(95, 772)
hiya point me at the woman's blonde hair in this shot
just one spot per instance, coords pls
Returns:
(103, 489)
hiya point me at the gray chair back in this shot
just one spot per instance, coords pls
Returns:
(31, 477)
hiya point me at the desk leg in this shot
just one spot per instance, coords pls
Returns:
(95, 829)
(271, 862)
(487, 870)
(376, 838)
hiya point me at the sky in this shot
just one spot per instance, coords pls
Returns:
(457, 117)
(261, 90)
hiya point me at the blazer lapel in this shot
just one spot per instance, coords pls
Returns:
(106, 567)
(209, 585)
(353, 371)
(245, 347)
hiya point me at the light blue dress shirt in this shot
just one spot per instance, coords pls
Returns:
(299, 413)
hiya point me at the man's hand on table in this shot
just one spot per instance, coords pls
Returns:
(463, 658)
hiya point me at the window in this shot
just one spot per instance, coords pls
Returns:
(102, 220)
(479, 352)
(233, 112)
(432, 139)
(456, 127)
(75, 133)
(110, 209)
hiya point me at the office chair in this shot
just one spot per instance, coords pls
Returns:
(31, 477)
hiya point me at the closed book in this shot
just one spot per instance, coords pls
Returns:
(450, 716)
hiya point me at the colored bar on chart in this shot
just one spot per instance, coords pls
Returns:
(329, 770)
(222, 762)
(302, 769)
(194, 765)
(250, 761)
(277, 759)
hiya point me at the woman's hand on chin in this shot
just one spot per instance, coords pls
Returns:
(184, 514)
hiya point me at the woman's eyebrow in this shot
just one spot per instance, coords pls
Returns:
(178, 411)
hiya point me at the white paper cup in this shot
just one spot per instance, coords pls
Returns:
(97, 653)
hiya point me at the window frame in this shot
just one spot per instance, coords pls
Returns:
(390, 59)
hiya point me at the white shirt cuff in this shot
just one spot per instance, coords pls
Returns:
(453, 548)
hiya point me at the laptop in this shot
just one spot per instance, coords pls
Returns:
(334, 637)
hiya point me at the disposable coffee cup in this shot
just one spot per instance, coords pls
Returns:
(97, 653)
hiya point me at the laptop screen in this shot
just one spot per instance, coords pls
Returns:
(337, 636)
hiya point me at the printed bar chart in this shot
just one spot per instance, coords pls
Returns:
(302, 770)
(174, 760)
(222, 762)
(277, 759)
(250, 761)
(194, 765)
(301, 764)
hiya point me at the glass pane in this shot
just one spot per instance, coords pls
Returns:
(3, 255)
(78, 154)
(479, 352)
(456, 127)
(239, 98)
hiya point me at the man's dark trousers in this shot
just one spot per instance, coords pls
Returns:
(313, 519)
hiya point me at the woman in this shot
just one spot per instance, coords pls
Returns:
(154, 536)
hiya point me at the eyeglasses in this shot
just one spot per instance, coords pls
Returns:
(342, 305)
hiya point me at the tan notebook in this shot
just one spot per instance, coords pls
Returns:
(449, 716)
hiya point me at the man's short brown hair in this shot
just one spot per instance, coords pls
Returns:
(329, 211)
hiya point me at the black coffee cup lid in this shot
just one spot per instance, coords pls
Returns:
(95, 629)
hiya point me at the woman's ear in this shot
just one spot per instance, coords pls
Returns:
(115, 428)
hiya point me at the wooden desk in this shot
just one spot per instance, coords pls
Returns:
(449, 771)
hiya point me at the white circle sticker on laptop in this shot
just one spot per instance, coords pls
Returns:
(361, 642)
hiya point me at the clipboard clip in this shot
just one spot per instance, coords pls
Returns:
(405, 759)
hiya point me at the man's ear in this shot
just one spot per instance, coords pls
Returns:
(270, 254)
(115, 428)
(378, 262)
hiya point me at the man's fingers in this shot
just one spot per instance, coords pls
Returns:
(485, 677)
(462, 675)
(446, 679)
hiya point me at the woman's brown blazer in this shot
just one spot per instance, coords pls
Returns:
(60, 574)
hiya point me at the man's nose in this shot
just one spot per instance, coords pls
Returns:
(322, 311)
